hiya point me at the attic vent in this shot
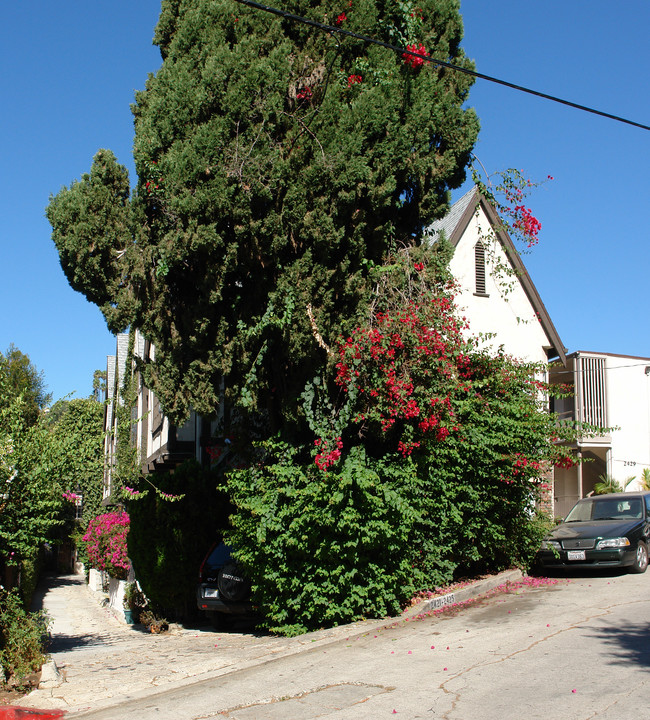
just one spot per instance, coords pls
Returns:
(479, 259)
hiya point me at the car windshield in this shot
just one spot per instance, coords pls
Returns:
(606, 509)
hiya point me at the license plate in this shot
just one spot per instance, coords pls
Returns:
(210, 592)
(575, 555)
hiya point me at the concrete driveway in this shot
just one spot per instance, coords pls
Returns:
(571, 650)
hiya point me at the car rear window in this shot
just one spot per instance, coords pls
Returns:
(219, 556)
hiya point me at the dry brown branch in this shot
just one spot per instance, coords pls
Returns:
(317, 335)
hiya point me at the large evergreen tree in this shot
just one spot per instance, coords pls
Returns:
(276, 164)
(24, 380)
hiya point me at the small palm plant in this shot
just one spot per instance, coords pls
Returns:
(607, 485)
(645, 479)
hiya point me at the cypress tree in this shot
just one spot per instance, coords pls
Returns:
(277, 166)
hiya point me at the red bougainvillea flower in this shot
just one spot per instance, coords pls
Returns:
(412, 60)
(527, 224)
(327, 457)
(564, 462)
(341, 19)
(354, 80)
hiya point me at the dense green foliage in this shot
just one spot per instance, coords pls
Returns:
(41, 459)
(168, 539)
(76, 429)
(22, 637)
(426, 461)
(30, 499)
(276, 163)
(25, 380)
(326, 548)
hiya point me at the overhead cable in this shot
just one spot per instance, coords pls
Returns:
(426, 58)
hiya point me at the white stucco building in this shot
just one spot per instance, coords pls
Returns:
(496, 294)
(610, 391)
(160, 445)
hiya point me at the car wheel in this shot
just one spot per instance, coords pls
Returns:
(641, 560)
(233, 585)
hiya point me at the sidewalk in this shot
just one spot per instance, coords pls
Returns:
(97, 661)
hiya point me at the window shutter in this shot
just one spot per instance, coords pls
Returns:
(479, 259)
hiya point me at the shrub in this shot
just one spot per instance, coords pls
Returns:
(325, 548)
(154, 623)
(22, 637)
(106, 545)
(134, 599)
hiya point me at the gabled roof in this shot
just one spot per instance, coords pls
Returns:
(455, 223)
(452, 219)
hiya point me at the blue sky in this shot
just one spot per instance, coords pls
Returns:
(70, 70)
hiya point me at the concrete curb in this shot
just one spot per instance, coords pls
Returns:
(476, 588)
(50, 676)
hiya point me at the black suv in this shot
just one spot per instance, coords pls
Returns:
(224, 591)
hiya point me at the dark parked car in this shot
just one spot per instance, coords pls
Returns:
(600, 532)
(224, 591)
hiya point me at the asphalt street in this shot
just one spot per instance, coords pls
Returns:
(576, 650)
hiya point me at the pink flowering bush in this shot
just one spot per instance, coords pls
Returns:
(106, 543)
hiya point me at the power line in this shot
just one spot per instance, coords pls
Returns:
(606, 368)
(466, 71)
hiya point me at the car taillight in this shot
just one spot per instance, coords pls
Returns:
(205, 560)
